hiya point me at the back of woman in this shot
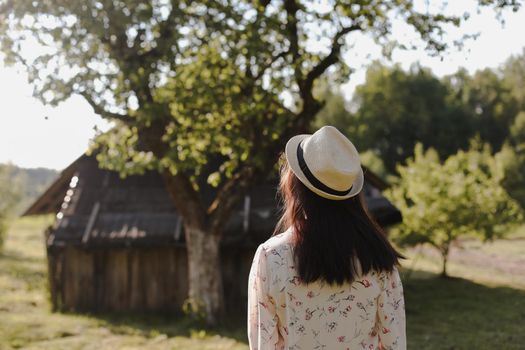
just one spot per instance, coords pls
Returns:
(327, 279)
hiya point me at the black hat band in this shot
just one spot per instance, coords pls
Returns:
(313, 180)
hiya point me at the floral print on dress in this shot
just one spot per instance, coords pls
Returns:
(284, 313)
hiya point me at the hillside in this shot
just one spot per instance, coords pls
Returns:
(30, 181)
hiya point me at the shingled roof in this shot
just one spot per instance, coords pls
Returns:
(98, 208)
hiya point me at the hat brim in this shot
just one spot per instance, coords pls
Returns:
(293, 162)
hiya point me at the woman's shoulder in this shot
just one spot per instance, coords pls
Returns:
(279, 242)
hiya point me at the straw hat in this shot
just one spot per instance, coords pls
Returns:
(327, 163)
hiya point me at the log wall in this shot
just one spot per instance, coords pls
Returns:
(136, 279)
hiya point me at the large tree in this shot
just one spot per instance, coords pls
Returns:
(512, 160)
(188, 80)
(512, 154)
(490, 102)
(397, 109)
(394, 109)
(513, 75)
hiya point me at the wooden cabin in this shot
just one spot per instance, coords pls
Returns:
(118, 244)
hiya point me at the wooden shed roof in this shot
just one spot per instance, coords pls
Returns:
(97, 208)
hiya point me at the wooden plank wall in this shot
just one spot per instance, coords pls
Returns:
(136, 279)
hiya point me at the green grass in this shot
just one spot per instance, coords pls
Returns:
(27, 322)
(458, 314)
(481, 307)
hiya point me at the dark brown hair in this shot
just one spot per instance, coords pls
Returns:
(330, 235)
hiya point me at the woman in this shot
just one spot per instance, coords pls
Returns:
(327, 279)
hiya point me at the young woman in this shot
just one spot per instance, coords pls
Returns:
(328, 278)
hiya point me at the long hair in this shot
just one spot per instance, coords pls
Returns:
(333, 240)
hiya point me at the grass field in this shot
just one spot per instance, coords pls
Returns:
(481, 307)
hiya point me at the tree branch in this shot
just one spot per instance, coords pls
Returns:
(268, 65)
(306, 85)
(185, 198)
(228, 196)
(102, 112)
(291, 8)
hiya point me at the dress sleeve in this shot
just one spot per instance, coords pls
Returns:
(263, 331)
(391, 313)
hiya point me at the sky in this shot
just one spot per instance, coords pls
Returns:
(34, 135)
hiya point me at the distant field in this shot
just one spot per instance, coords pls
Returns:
(485, 312)
(501, 262)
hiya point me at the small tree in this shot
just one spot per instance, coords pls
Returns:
(443, 201)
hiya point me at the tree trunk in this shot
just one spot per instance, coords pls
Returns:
(444, 271)
(206, 296)
(444, 254)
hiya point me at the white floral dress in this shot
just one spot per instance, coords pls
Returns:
(284, 313)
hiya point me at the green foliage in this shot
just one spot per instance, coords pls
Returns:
(513, 75)
(395, 109)
(517, 132)
(190, 79)
(491, 104)
(443, 201)
(335, 111)
(195, 310)
(512, 160)
(373, 162)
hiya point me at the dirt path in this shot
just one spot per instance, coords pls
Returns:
(501, 263)
(501, 257)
